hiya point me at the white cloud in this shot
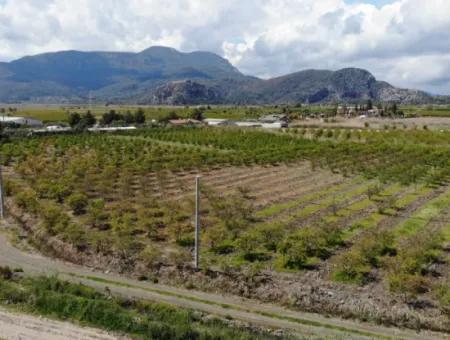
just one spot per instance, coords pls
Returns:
(405, 42)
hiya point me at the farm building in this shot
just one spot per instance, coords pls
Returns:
(111, 129)
(247, 124)
(184, 122)
(274, 121)
(274, 118)
(216, 121)
(20, 121)
(274, 125)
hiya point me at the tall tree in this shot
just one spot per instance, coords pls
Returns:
(139, 116)
(197, 113)
(74, 119)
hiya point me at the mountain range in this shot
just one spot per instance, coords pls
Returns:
(162, 75)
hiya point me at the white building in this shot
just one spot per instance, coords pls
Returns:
(274, 125)
(112, 129)
(247, 124)
(215, 121)
(20, 121)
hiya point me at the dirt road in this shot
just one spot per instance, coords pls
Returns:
(14, 326)
(266, 315)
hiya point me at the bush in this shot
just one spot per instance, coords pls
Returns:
(309, 242)
(442, 294)
(150, 255)
(10, 187)
(98, 217)
(186, 241)
(6, 273)
(223, 248)
(27, 199)
(78, 203)
(355, 265)
(76, 235)
(406, 269)
(54, 219)
(409, 285)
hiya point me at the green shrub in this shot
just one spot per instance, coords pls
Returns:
(442, 294)
(27, 199)
(408, 285)
(355, 265)
(10, 187)
(78, 203)
(186, 241)
(97, 216)
(309, 242)
(54, 219)
(223, 248)
(6, 273)
(406, 269)
(150, 255)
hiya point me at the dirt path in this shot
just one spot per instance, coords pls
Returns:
(251, 311)
(15, 326)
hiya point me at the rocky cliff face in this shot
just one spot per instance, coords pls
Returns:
(186, 92)
(311, 86)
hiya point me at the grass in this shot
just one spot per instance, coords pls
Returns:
(44, 114)
(327, 202)
(375, 218)
(427, 111)
(425, 215)
(60, 113)
(366, 223)
(411, 197)
(234, 307)
(62, 300)
(279, 208)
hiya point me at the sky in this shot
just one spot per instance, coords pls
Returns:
(405, 42)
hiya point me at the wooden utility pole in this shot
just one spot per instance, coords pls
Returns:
(197, 222)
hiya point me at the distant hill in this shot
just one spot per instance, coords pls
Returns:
(161, 75)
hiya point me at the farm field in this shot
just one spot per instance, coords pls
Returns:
(315, 219)
(57, 113)
(417, 115)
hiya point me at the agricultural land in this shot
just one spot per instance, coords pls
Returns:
(348, 222)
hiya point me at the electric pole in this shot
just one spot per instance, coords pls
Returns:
(90, 101)
(2, 205)
(197, 221)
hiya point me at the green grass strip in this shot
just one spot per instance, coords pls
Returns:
(422, 217)
(366, 223)
(279, 208)
(313, 208)
(446, 233)
(233, 307)
(411, 197)
(375, 218)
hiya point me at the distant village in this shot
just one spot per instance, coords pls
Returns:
(271, 121)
